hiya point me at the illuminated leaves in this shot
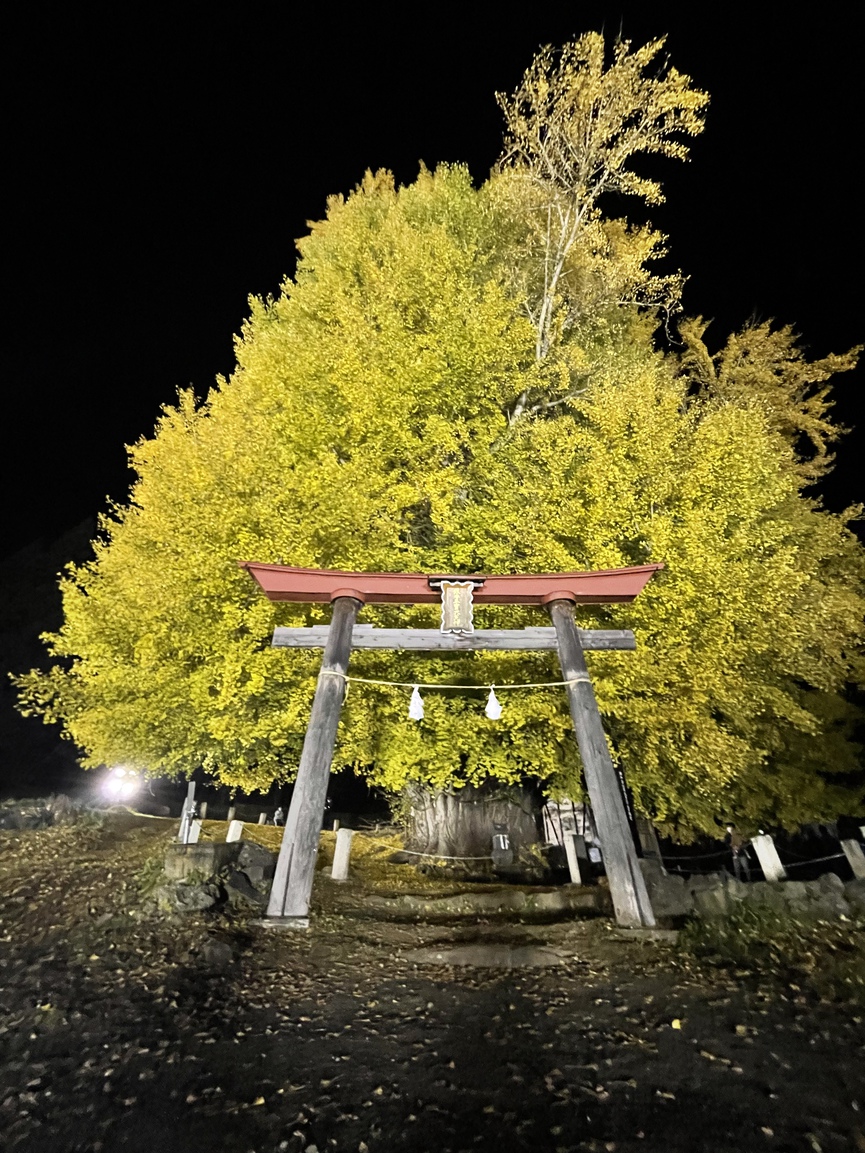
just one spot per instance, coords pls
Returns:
(367, 426)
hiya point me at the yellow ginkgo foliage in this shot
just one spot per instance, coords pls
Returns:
(366, 426)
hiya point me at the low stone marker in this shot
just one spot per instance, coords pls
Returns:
(194, 833)
(853, 853)
(262, 818)
(235, 830)
(342, 855)
(229, 816)
(768, 857)
(186, 814)
(572, 851)
(202, 810)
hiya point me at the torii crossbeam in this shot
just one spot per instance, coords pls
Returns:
(348, 592)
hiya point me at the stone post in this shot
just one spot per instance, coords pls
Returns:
(186, 814)
(235, 831)
(573, 858)
(768, 857)
(342, 855)
(853, 853)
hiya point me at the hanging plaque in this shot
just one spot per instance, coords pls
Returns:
(457, 607)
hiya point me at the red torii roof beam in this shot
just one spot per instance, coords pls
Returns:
(320, 586)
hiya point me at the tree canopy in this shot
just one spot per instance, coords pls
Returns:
(370, 424)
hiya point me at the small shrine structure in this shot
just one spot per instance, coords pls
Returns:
(349, 592)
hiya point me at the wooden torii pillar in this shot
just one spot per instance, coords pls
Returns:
(348, 592)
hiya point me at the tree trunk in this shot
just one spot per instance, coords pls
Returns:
(461, 824)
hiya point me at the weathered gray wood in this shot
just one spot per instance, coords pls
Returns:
(627, 886)
(433, 640)
(295, 867)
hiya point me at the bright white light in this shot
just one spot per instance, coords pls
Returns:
(121, 783)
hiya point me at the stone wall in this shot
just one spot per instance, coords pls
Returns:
(717, 894)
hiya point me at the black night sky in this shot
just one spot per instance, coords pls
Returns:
(159, 168)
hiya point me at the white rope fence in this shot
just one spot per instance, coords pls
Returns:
(415, 709)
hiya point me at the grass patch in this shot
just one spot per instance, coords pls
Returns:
(826, 957)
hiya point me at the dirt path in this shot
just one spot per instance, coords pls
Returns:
(121, 1032)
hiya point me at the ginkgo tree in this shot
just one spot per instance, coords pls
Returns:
(369, 424)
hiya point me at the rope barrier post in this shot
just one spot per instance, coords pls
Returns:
(288, 906)
(627, 886)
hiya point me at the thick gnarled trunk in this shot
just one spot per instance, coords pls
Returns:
(460, 824)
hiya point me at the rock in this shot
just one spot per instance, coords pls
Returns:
(827, 899)
(259, 877)
(241, 891)
(402, 858)
(712, 902)
(829, 883)
(700, 882)
(31, 813)
(768, 895)
(256, 857)
(668, 893)
(218, 954)
(183, 897)
(736, 890)
(205, 859)
(795, 891)
(854, 892)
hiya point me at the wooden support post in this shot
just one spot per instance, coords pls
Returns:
(627, 887)
(295, 867)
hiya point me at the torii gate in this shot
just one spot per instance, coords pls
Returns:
(348, 592)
